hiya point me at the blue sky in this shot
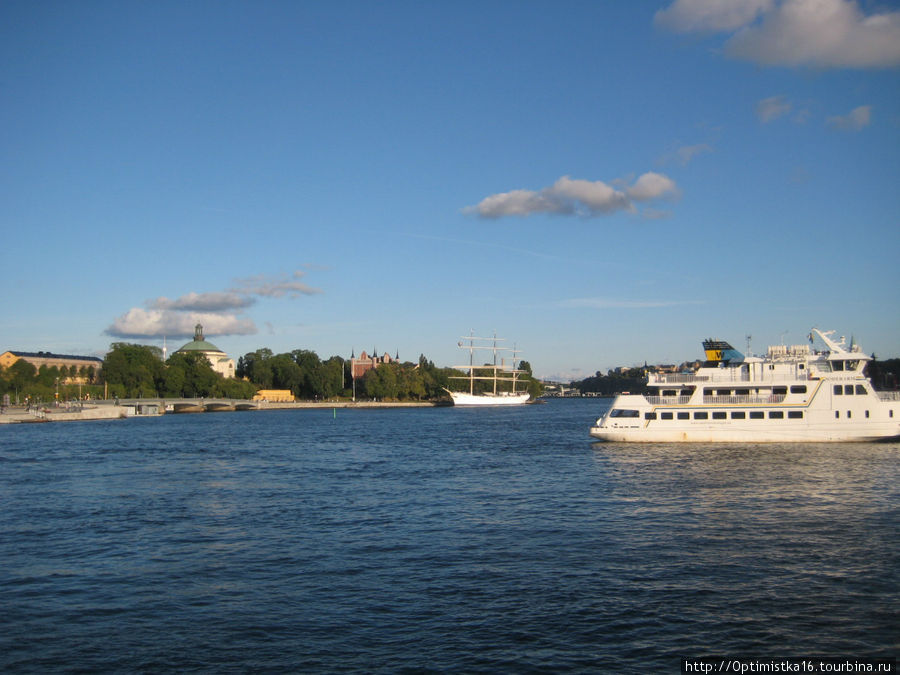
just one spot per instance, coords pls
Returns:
(602, 183)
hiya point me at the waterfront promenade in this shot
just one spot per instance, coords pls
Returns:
(150, 407)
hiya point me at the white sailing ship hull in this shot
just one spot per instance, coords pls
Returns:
(465, 399)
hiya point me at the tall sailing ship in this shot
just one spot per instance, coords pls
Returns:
(502, 372)
(792, 394)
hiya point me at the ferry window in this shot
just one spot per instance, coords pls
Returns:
(848, 389)
(738, 415)
(801, 366)
(837, 365)
(776, 414)
(756, 414)
(701, 416)
(743, 392)
(619, 412)
(838, 390)
(849, 414)
(798, 389)
(669, 392)
(795, 414)
(867, 414)
(684, 416)
(650, 416)
(666, 416)
(724, 392)
(779, 391)
(860, 389)
(709, 392)
(719, 415)
(837, 414)
(891, 412)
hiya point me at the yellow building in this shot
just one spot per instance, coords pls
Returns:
(87, 367)
(274, 395)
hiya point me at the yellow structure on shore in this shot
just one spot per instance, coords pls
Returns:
(274, 395)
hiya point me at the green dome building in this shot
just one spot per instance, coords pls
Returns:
(217, 358)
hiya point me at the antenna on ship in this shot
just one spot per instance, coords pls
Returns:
(749, 337)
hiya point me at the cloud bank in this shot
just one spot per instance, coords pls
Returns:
(148, 323)
(218, 311)
(815, 33)
(568, 196)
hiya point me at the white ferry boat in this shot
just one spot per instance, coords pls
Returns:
(794, 393)
(500, 374)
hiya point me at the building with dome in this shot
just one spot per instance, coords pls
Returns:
(218, 359)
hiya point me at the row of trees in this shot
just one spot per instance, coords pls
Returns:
(22, 379)
(132, 370)
(308, 377)
(138, 371)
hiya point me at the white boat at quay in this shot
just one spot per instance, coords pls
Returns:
(794, 393)
(499, 374)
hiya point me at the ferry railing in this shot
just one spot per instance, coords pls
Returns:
(889, 395)
(731, 400)
(668, 400)
(676, 378)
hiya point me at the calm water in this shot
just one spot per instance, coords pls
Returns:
(434, 540)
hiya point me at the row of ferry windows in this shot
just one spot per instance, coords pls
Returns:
(848, 390)
(709, 391)
(722, 415)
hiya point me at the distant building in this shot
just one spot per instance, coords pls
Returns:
(86, 367)
(274, 395)
(218, 359)
(360, 366)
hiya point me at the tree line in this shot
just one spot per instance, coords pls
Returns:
(138, 371)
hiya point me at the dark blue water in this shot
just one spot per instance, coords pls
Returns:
(434, 540)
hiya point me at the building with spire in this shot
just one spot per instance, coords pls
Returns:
(360, 366)
(219, 360)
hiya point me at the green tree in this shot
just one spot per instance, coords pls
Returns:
(137, 368)
(257, 367)
(332, 377)
(286, 374)
(199, 377)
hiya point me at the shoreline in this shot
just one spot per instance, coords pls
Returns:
(132, 408)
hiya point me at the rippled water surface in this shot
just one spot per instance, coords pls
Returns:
(434, 539)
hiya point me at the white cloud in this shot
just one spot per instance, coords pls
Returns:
(275, 286)
(816, 33)
(204, 302)
(651, 186)
(215, 310)
(689, 16)
(829, 33)
(857, 119)
(772, 108)
(575, 196)
(144, 323)
(687, 152)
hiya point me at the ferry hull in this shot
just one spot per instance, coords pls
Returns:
(463, 399)
(738, 435)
